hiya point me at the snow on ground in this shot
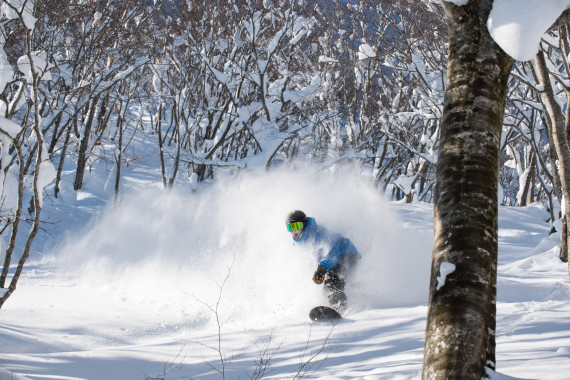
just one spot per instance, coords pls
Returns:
(133, 291)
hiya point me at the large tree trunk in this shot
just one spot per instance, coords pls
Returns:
(460, 329)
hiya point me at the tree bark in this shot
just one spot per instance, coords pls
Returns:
(560, 142)
(460, 328)
(82, 154)
(120, 156)
(160, 145)
(527, 191)
(61, 161)
(564, 245)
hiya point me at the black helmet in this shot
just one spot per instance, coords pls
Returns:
(296, 216)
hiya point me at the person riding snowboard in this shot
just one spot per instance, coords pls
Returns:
(336, 254)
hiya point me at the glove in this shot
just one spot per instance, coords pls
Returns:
(319, 275)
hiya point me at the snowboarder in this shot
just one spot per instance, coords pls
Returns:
(336, 254)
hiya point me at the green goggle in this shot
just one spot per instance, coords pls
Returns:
(295, 226)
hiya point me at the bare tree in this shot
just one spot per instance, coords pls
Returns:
(559, 122)
(26, 141)
(95, 46)
(265, 356)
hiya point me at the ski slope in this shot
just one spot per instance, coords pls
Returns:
(189, 284)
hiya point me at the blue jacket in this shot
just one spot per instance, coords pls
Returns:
(330, 246)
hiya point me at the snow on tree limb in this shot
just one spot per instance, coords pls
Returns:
(518, 25)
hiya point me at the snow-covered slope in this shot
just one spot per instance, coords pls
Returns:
(132, 291)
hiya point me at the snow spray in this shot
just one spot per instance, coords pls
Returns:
(225, 248)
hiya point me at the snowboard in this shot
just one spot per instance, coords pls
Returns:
(321, 313)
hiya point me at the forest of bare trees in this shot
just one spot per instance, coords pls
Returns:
(213, 84)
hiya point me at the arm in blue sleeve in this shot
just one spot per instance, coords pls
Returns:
(342, 247)
(333, 257)
(348, 248)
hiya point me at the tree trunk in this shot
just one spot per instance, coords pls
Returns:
(61, 161)
(160, 145)
(82, 155)
(527, 188)
(559, 141)
(17, 217)
(177, 158)
(120, 157)
(564, 245)
(460, 328)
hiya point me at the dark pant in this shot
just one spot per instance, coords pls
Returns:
(336, 280)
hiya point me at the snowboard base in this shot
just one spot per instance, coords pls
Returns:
(320, 313)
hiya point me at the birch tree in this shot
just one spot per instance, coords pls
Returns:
(23, 154)
(461, 321)
(460, 329)
(554, 94)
